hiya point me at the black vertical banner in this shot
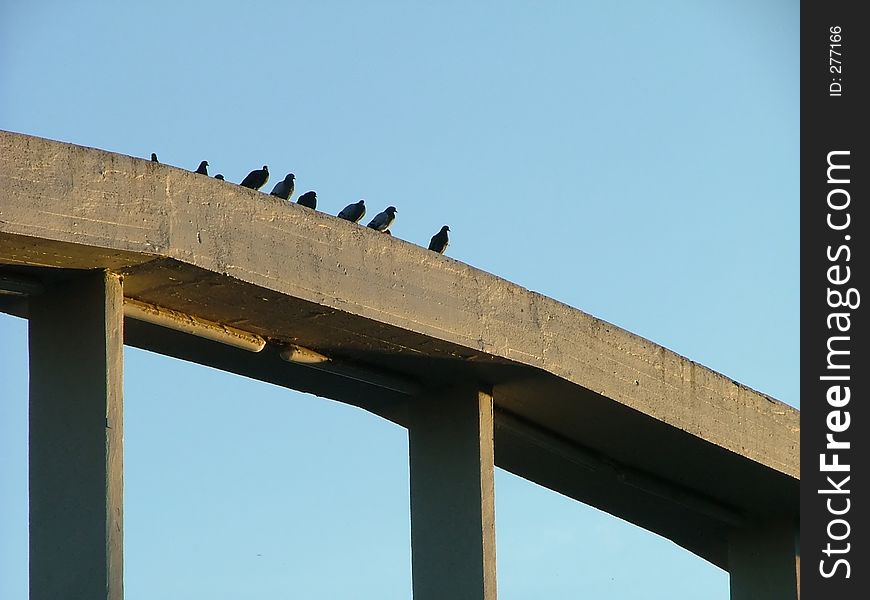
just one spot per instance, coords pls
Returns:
(835, 367)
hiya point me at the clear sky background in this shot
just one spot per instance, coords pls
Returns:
(637, 160)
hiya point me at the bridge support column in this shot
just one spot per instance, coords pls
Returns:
(452, 495)
(76, 439)
(764, 563)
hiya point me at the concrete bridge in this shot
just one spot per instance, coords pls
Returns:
(99, 250)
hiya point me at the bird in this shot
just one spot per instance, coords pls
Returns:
(219, 176)
(439, 241)
(353, 212)
(284, 189)
(154, 157)
(308, 199)
(256, 179)
(202, 169)
(382, 221)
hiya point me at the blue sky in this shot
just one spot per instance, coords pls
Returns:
(637, 160)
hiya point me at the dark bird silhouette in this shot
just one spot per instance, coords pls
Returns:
(308, 199)
(256, 179)
(202, 169)
(439, 241)
(219, 176)
(382, 221)
(353, 212)
(284, 189)
(154, 157)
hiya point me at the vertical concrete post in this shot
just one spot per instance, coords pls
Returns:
(76, 439)
(764, 563)
(452, 495)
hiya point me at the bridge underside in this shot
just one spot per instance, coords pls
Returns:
(576, 404)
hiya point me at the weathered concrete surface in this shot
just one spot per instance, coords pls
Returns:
(701, 445)
(450, 446)
(76, 439)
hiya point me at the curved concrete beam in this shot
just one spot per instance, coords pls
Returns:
(572, 387)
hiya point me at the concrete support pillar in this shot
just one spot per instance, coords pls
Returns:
(764, 563)
(76, 439)
(452, 495)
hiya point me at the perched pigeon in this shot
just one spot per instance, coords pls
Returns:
(353, 212)
(154, 157)
(382, 221)
(202, 169)
(439, 241)
(284, 189)
(308, 199)
(219, 176)
(256, 179)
